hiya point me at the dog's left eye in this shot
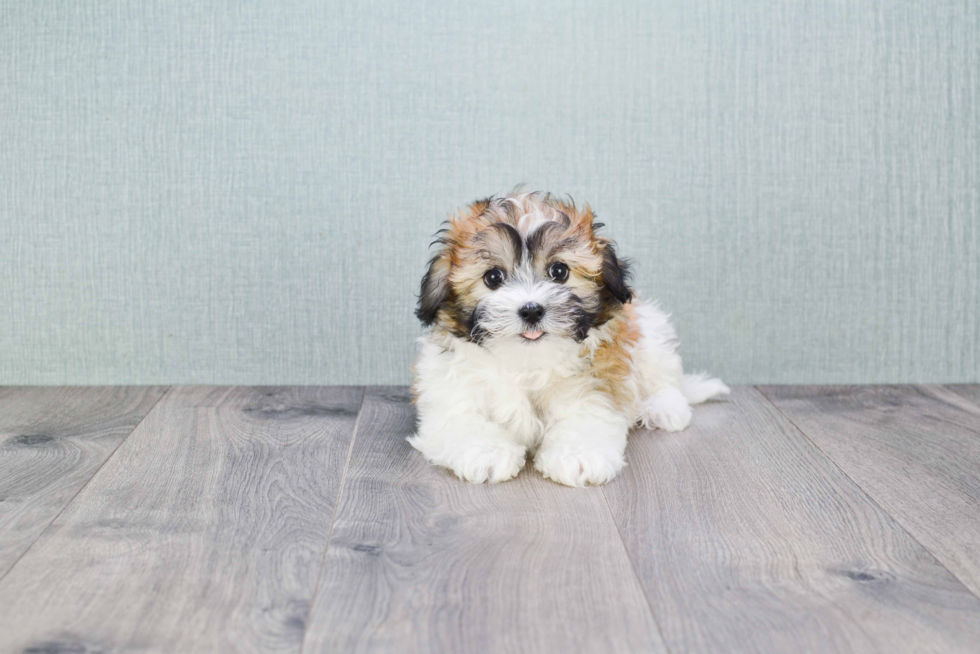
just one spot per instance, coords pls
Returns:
(558, 271)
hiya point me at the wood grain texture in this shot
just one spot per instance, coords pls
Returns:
(914, 449)
(747, 538)
(422, 562)
(204, 533)
(969, 391)
(52, 440)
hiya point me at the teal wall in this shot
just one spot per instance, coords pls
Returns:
(244, 192)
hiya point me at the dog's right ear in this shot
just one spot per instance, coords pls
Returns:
(435, 289)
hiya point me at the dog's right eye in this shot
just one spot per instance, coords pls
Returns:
(493, 278)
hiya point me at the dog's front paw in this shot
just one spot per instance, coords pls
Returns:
(579, 465)
(667, 410)
(477, 461)
(489, 463)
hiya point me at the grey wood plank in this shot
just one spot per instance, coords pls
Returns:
(420, 561)
(52, 440)
(749, 539)
(970, 391)
(204, 533)
(914, 449)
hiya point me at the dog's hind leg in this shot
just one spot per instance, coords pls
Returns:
(667, 393)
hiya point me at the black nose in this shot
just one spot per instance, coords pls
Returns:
(531, 312)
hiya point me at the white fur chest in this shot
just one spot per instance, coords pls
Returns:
(510, 384)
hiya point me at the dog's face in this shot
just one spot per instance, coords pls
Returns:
(524, 267)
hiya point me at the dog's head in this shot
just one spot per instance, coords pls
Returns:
(524, 267)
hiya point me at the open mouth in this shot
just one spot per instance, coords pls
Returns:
(532, 335)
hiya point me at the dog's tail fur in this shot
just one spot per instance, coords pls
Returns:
(698, 388)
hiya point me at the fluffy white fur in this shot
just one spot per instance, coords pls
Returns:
(483, 409)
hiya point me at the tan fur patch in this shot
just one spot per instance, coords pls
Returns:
(612, 363)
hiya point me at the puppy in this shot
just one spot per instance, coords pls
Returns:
(537, 347)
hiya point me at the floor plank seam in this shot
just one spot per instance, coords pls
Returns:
(871, 499)
(636, 575)
(85, 485)
(963, 398)
(333, 519)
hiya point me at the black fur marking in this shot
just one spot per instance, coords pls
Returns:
(563, 244)
(515, 239)
(584, 320)
(616, 275)
(434, 292)
(439, 237)
(536, 239)
(583, 323)
(476, 331)
(509, 208)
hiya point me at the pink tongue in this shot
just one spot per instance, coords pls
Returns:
(532, 335)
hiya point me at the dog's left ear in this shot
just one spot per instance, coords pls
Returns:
(615, 274)
(435, 290)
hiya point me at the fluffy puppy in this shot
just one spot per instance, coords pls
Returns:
(537, 347)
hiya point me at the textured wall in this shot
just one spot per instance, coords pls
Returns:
(244, 192)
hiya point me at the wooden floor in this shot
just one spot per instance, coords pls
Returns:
(297, 519)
